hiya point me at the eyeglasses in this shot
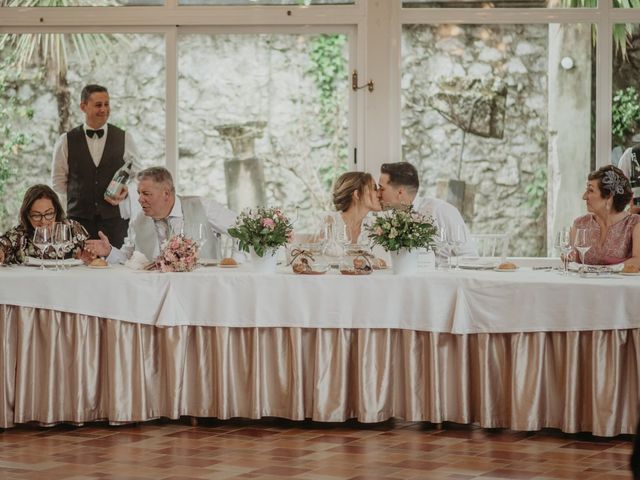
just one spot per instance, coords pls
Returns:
(37, 216)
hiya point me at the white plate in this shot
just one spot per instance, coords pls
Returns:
(629, 274)
(478, 263)
(208, 262)
(98, 266)
(228, 266)
(477, 267)
(67, 262)
(503, 270)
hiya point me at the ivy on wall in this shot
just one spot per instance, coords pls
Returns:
(328, 68)
(536, 191)
(12, 140)
(625, 115)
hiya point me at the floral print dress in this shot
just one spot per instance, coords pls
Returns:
(17, 244)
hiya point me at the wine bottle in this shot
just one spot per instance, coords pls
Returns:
(119, 181)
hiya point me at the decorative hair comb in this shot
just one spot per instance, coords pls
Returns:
(613, 182)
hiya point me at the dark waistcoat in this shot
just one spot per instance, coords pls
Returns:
(86, 182)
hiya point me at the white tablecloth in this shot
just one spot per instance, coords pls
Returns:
(459, 302)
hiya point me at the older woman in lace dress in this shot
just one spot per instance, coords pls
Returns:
(612, 232)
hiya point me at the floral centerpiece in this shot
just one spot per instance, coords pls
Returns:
(399, 229)
(262, 229)
(178, 254)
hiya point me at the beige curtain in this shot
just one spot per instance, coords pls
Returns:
(61, 367)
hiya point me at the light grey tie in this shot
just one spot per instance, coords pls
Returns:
(163, 230)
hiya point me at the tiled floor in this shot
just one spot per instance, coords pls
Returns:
(271, 449)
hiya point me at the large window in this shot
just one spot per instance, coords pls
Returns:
(485, 110)
(40, 99)
(263, 118)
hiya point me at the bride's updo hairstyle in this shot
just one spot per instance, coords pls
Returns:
(613, 183)
(346, 185)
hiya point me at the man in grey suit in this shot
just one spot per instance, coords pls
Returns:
(164, 212)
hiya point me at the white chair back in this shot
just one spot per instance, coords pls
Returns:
(491, 244)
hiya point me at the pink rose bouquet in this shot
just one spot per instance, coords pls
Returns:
(262, 229)
(178, 254)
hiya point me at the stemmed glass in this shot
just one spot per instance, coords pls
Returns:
(196, 232)
(563, 244)
(442, 243)
(42, 240)
(457, 238)
(582, 242)
(61, 241)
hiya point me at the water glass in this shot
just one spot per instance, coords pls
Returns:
(228, 246)
(563, 244)
(42, 239)
(61, 241)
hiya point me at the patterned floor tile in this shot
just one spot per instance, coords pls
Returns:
(280, 449)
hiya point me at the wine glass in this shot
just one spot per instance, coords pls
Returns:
(442, 241)
(457, 238)
(196, 232)
(582, 242)
(563, 244)
(61, 240)
(42, 240)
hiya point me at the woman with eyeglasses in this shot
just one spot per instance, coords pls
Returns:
(40, 208)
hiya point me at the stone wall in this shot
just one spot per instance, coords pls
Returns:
(500, 169)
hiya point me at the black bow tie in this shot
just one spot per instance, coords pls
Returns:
(99, 133)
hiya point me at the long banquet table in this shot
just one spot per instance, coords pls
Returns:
(523, 350)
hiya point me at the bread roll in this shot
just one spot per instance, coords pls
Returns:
(228, 261)
(98, 262)
(631, 269)
(507, 266)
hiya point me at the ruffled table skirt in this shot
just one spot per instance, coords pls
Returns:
(62, 367)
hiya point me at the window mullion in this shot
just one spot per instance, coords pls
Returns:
(604, 74)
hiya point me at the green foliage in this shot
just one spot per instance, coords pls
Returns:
(536, 191)
(262, 229)
(396, 229)
(12, 141)
(328, 65)
(621, 32)
(625, 114)
(328, 173)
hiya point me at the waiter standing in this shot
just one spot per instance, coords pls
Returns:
(85, 160)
